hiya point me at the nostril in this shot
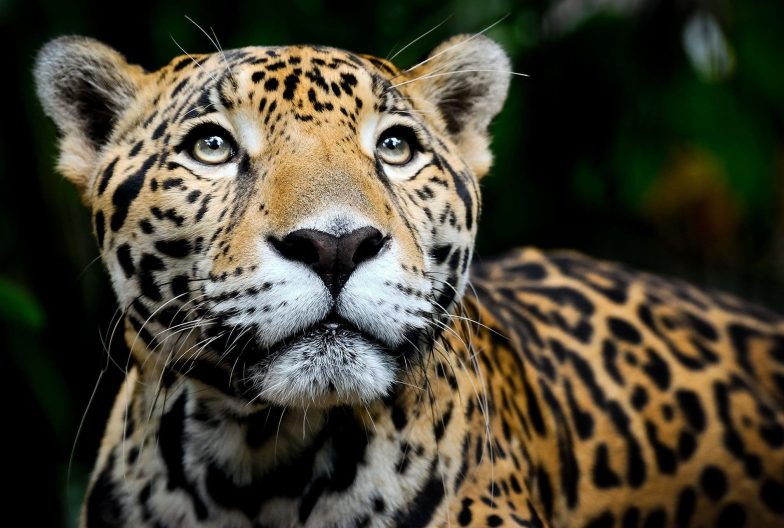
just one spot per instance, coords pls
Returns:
(297, 247)
(369, 248)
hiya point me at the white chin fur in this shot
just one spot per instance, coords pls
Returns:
(325, 369)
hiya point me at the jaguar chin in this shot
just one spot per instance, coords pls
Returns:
(330, 363)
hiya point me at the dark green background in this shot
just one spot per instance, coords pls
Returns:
(616, 145)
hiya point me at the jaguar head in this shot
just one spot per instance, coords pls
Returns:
(292, 224)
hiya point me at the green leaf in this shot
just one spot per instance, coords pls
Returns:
(18, 306)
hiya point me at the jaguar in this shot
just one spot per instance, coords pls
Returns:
(289, 233)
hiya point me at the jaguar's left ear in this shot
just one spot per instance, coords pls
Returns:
(466, 78)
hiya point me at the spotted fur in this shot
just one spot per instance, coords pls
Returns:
(555, 391)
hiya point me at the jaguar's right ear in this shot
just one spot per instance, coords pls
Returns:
(84, 87)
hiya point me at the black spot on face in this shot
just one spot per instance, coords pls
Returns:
(135, 150)
(290, 82)
(276, 66)
(204, 207)
(100, 228)
(159, 130)
(439, 253)
(182, 63)
(179, 286)
(178, 248)
(127, 191)
(149, 264)
(171, 183)
(494, 520)
(178, 87)
(125, 260)
(347, 82)
(146, 226)
(106, 176)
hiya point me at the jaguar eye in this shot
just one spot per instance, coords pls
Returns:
(396, 146)
(212, 150)
(210, 144)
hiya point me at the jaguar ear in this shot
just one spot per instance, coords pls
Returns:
(466, 78)
(84, 87)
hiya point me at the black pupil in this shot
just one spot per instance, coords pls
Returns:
(213, 142)
(393, 143)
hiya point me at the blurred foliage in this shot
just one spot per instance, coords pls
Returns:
(17, 306)
(648, 132)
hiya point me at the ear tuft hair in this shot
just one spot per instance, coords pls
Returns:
(84, 87)
(466, 78)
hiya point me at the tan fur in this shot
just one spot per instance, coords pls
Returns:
(558, 391)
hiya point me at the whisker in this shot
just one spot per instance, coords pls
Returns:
(441, 74)
(461, 43)
(81, 427)
(426, 33)
(213, 42)
(198, 64)
(93, 261)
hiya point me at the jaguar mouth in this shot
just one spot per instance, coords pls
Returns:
(332, 331)
(329, 363)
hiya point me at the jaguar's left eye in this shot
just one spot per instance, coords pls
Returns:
(212, 149)
(397, 145)
(209, 144)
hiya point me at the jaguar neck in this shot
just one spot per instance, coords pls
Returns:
(288, 464)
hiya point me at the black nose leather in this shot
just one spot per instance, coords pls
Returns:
(332, 258)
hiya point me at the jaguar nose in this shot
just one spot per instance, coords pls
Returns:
(333, 258)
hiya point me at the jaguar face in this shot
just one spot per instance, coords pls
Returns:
(293, 222)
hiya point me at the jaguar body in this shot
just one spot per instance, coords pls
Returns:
(289, 232)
